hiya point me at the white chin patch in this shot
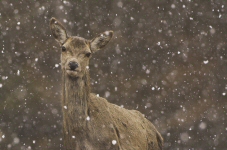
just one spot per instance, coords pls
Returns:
(72, 73)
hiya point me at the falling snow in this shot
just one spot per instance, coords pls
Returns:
(114, 142)
(202, 125)
(18, 72)
(166, 59)
(56, 65)
(88, 118)
(205, 61)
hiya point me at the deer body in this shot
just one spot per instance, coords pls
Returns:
(91, 122)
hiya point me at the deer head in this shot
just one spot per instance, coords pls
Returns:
(77, 51)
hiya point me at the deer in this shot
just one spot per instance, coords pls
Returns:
(90, 122)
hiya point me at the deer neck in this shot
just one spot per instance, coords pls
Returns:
(75, 100)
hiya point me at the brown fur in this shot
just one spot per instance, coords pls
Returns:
(91, 122)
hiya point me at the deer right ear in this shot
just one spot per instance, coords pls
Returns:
(58, 30)
(101, 41)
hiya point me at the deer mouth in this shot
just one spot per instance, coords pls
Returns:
(72, 72)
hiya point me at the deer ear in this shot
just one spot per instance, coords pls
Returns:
(58, 30)
(101, 41)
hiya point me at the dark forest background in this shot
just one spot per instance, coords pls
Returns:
(167, 59)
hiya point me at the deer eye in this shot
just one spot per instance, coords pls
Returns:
(63, 48)
(88, 54)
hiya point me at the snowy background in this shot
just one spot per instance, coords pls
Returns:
(167, 59)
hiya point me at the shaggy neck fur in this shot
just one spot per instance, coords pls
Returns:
(75, 105)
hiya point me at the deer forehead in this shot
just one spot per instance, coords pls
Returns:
(77, 44)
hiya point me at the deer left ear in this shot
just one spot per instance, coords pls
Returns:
(101, 41)
(58, 31)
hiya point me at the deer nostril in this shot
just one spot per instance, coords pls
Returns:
(73, 65)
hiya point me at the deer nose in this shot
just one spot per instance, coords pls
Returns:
(73, 65)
